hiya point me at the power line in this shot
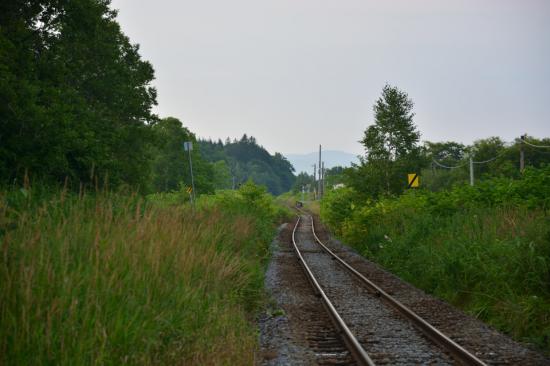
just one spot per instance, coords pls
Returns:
(448, 167)
(540, 146)
(464, 164)
(485, 161)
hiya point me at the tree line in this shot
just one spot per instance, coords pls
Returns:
(237, 161)
(76, 105)
(393, 149)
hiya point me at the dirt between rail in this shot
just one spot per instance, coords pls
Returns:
(295, 329)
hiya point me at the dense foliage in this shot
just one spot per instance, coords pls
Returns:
(75, 106)
(492, 158)
(484, 248)
(75, 96)
(391, 146)
(393, 150)
(171, 164)
(244, 159)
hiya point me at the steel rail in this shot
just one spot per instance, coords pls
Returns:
(459, 353)
(357, 351)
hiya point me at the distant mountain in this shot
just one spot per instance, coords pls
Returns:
(332, 158)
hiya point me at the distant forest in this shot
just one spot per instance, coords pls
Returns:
(241, 160)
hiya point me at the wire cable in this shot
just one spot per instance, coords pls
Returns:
(448, 167)
(530, 144)
(485, 161)
(488, 160)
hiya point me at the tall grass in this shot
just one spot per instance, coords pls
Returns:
(492, 262)
(112, 279)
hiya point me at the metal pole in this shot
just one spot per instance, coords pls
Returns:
(471, 171)
(320, 189)
(521, 155)
(323, 179)
(192, 179)
(314, 180)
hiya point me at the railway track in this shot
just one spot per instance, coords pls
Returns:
(375, 327)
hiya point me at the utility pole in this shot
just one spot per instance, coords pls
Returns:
(471, 171)
(314, 180)
(522, 154)
(323, 179)
(188, 146)
(320, 190)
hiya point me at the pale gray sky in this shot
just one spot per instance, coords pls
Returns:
(296, 73)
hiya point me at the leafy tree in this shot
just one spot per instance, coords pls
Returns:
(391, 146)
(334, 175)
(171, 163)
(447, 153)
(222, 178)
(492, 157)
(247, 160)
(75, 96)
(302, 180)
(393, 134)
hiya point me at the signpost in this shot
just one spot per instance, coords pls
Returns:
(188, 146)
(414, 180)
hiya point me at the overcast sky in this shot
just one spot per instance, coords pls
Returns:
(296, 73)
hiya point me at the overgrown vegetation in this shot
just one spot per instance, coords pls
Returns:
(236, 162)
(75, 94)
(485, 248)
(88, 276)
(108, 278)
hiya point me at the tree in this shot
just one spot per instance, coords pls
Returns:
(448, 153)
(247, 160)
(391, 146)
(170, 169)
(75, 96)
(393, 134)
(334, 176)
(302, 180)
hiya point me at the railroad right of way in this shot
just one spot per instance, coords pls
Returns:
(289, 335)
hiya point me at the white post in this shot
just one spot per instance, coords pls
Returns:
(320, 188)
(188, 145)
